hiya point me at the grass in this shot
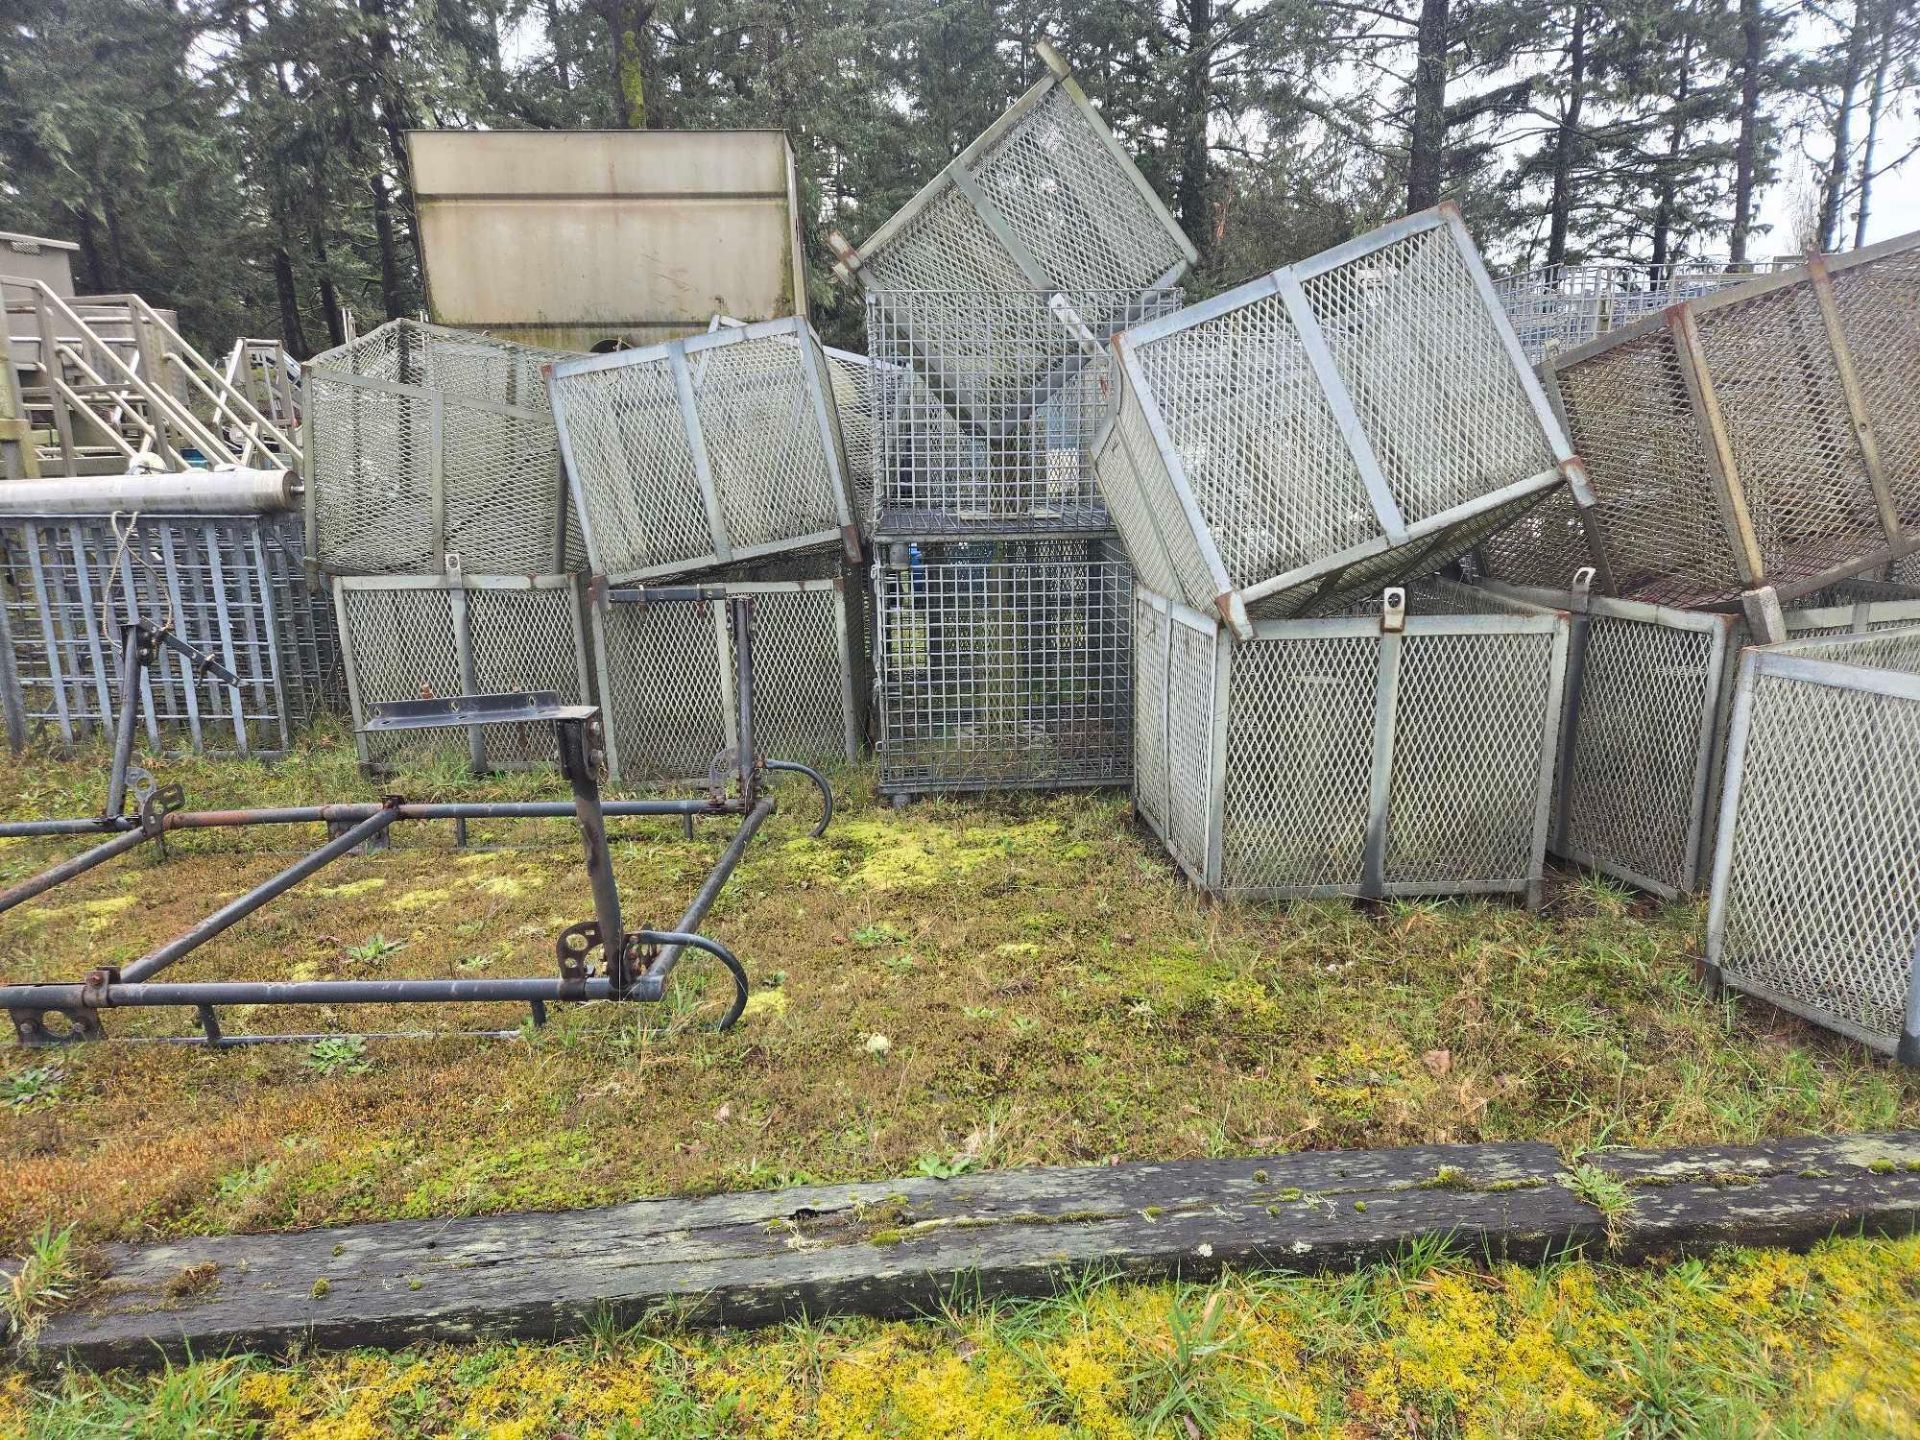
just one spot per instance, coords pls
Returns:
(45, 1278)
(1748, 1344)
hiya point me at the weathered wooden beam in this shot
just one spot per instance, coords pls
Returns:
(901, 1248)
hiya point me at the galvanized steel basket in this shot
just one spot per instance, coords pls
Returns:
(1816, 878)
(704, 452)
(1406, 751)
(1361, 418)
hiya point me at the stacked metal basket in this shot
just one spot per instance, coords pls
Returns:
(1002, 599)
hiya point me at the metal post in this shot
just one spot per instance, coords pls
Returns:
(68, 869)
(709, 891)
(577, 764)
(740, 609)
(1386, 704)
(132, 663)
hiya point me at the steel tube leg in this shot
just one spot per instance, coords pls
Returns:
(67, 869)
(130, 639)
(577, 764)
(236, 910)
(716, 880)
(743, 686)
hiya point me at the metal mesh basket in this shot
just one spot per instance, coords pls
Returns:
(851, 376)
(424, 441)
(985, 405)
(1340, 756)
(1003, 664)
(1556, 307)
(405, 637)
(1816, 883)
(1643, 739)
(1358, 419)
(1044, 199)
(666, 677)
(234, 586)
(1768, 434)
(705, 451)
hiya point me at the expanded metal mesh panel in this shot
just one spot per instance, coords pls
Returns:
(232, 586)
(1817, 907)
(482, 635)
(1004, 663)
(1151, 777)
(1544, 547)
(423, 440)
(1357, 421)
(851, 376)
(1434, 744)
(668, 678)
(985, 404)
(1046, 201)
(685, 456)
(1554, 308)
(1734, 459)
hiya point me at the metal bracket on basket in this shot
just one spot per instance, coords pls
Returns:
(1393, 610)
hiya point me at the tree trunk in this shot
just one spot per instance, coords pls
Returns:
(1426, 150)
(627, 27)
(329, 295)
(394, 116)
(562, 46)
(1833, 193)
(1567, 140)
(292, 335)
(1876, 103)
(93, 274)
(1746, 147)
(392, 294)
(1666, 188)
(1196, 91)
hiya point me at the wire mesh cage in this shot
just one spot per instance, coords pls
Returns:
(985, 406)
(234, 586)
(1643, 738)
(409, 637)
(1388, 753)
(1361, 418)
(851, 376)
(1003, 664)
(704, 452)
(1816, 880)
(1767, 434)
(1555, 307)
(1044, 199)
(667, 677)
(424, 441)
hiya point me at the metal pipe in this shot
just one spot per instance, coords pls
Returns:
(578, 764)
(68, 869)
(92, 825)
(826, 790)
(218, 492)
(195, 993)
(130, 642)
(742, 610)
(238, 909)
(709, 891)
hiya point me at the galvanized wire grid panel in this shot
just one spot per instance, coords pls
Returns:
(1767, 434)
(1004, 664)
(985, 404)
(407, 637)
(1327, 757)
(1359, 419)
(1556, 307)
(704, 451)
(667, 678)
(1816, 889)
(232, 586)
(424, 440)
(1044, 199)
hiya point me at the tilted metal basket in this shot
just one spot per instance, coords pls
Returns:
(704, 452)
(232, 586)
(666, 677)
(851, 376)
(410, 637)
(1767, 434)
(1003, 664)
(985, 405)
(1389, 753)
(1816, 877)
(1358, 419)
(1045, 199)
(424, 441)
(1643, 739)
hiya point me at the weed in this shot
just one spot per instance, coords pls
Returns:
(339, 1054)
(373, 950)
(47, 1278)
(945, 1167)
(35, 1085)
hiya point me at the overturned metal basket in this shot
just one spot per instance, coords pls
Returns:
(1381, 754)
(1816, 880)
(1358, 419)
(424, 441)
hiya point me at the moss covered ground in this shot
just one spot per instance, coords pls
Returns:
(960, 984)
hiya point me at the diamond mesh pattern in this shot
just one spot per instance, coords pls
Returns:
(851, 376)
(1557, 307)
(1164, 555)
(632, 459)
(1151, 632)
(403, 648)
(1067, 197)
(1879, 305)
(1822, 899)
(1544, 547)
(1190, 698)
(372, 483)
(985, 405)
(232, 586)
(524, 640)
(1004, 663)
(799, 712)
(1429, 373)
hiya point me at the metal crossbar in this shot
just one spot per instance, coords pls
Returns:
(424, 441)
(1765, 435)
(235, 586)
(1358, 419)
(704, 452)
(1816, 881)
(1003, 664)
(1408, 751)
